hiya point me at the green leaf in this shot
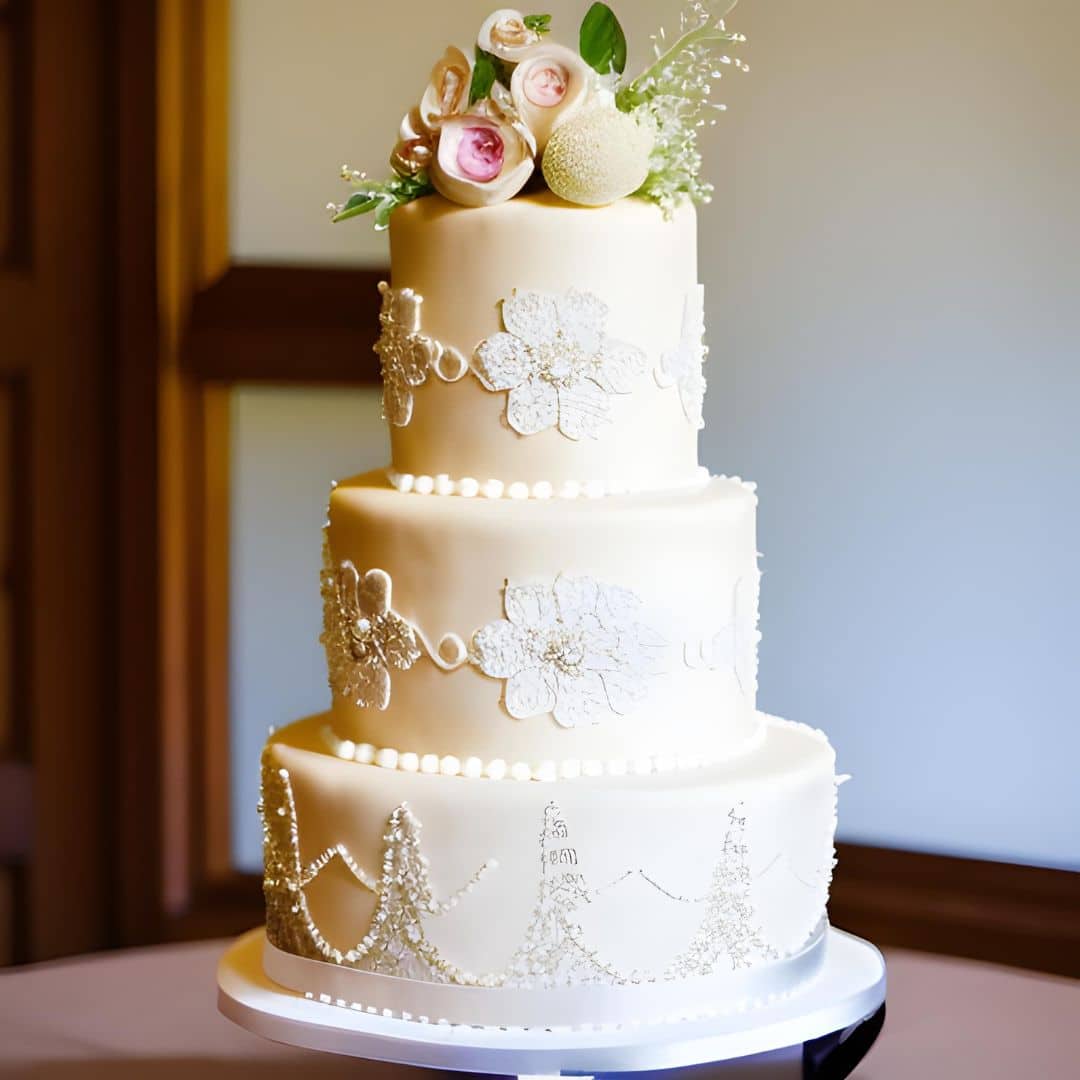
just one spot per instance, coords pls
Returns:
(602, 42)
(360, 203)
(539, 24)
(387, 205)
(384, 197)
(483, 76)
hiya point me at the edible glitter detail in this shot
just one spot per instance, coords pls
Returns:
(557, 363)
(363, 636)
(682, 365)
(577, 649)
(553, 952)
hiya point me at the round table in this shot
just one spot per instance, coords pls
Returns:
(153, 1012)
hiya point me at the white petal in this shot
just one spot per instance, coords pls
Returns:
(501, 362)
(624, 689)
(531, 316)
(692, 396)
(397, 402)
(397, 639)
(603, 647)
(373, 592)
(617, 366)
(576, 598)
(416, 358)
(533, 406)
(531, 606)
(529, 693)
(582, 317)
(618, 606)
(499, 649)
(581, 700)
(402, 307)
(369, 684)
(583, 407)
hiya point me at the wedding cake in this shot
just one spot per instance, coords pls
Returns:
(543, 794)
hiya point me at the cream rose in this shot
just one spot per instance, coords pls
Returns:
(447, 93)
(415, 146)
(548, 86)
(482, 158)
(504, 34)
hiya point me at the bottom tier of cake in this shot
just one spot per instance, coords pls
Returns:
(587, 901)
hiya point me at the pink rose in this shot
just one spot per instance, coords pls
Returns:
(482, 158)
(548, 86)
(480, 153)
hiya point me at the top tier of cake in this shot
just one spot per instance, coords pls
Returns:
(536, 348)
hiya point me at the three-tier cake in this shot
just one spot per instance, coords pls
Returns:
(543, 794)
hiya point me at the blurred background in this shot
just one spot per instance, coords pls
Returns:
(892, 288)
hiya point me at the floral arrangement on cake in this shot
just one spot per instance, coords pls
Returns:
(526, 111)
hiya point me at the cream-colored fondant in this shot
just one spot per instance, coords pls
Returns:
(681, 552)
(464, 261)
(645, 847)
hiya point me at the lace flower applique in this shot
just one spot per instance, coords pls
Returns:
(575, 649)
(405, 355)
(682, 366)
(363, 636)
(556, 362)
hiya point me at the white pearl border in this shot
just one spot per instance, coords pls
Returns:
(470, 488)
(474, 768)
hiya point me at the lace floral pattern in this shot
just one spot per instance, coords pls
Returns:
(576, 649)
(363, 636)
(557, 363)
(405, 354)
(682, 366)
(745, 634)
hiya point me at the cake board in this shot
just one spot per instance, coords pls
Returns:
(823, 1031)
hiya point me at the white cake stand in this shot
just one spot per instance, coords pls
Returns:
(849, 991)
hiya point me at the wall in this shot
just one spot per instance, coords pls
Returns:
(288, 445)
(891, 269)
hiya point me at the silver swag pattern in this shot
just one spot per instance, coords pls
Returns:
(553, 952)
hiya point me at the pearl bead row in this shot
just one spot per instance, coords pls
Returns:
(470, 488)
(475, 768)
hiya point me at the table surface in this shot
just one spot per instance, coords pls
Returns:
(153, 1012)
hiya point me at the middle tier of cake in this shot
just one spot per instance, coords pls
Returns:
(543, 639)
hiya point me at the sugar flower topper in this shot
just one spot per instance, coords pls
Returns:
(526, 111)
